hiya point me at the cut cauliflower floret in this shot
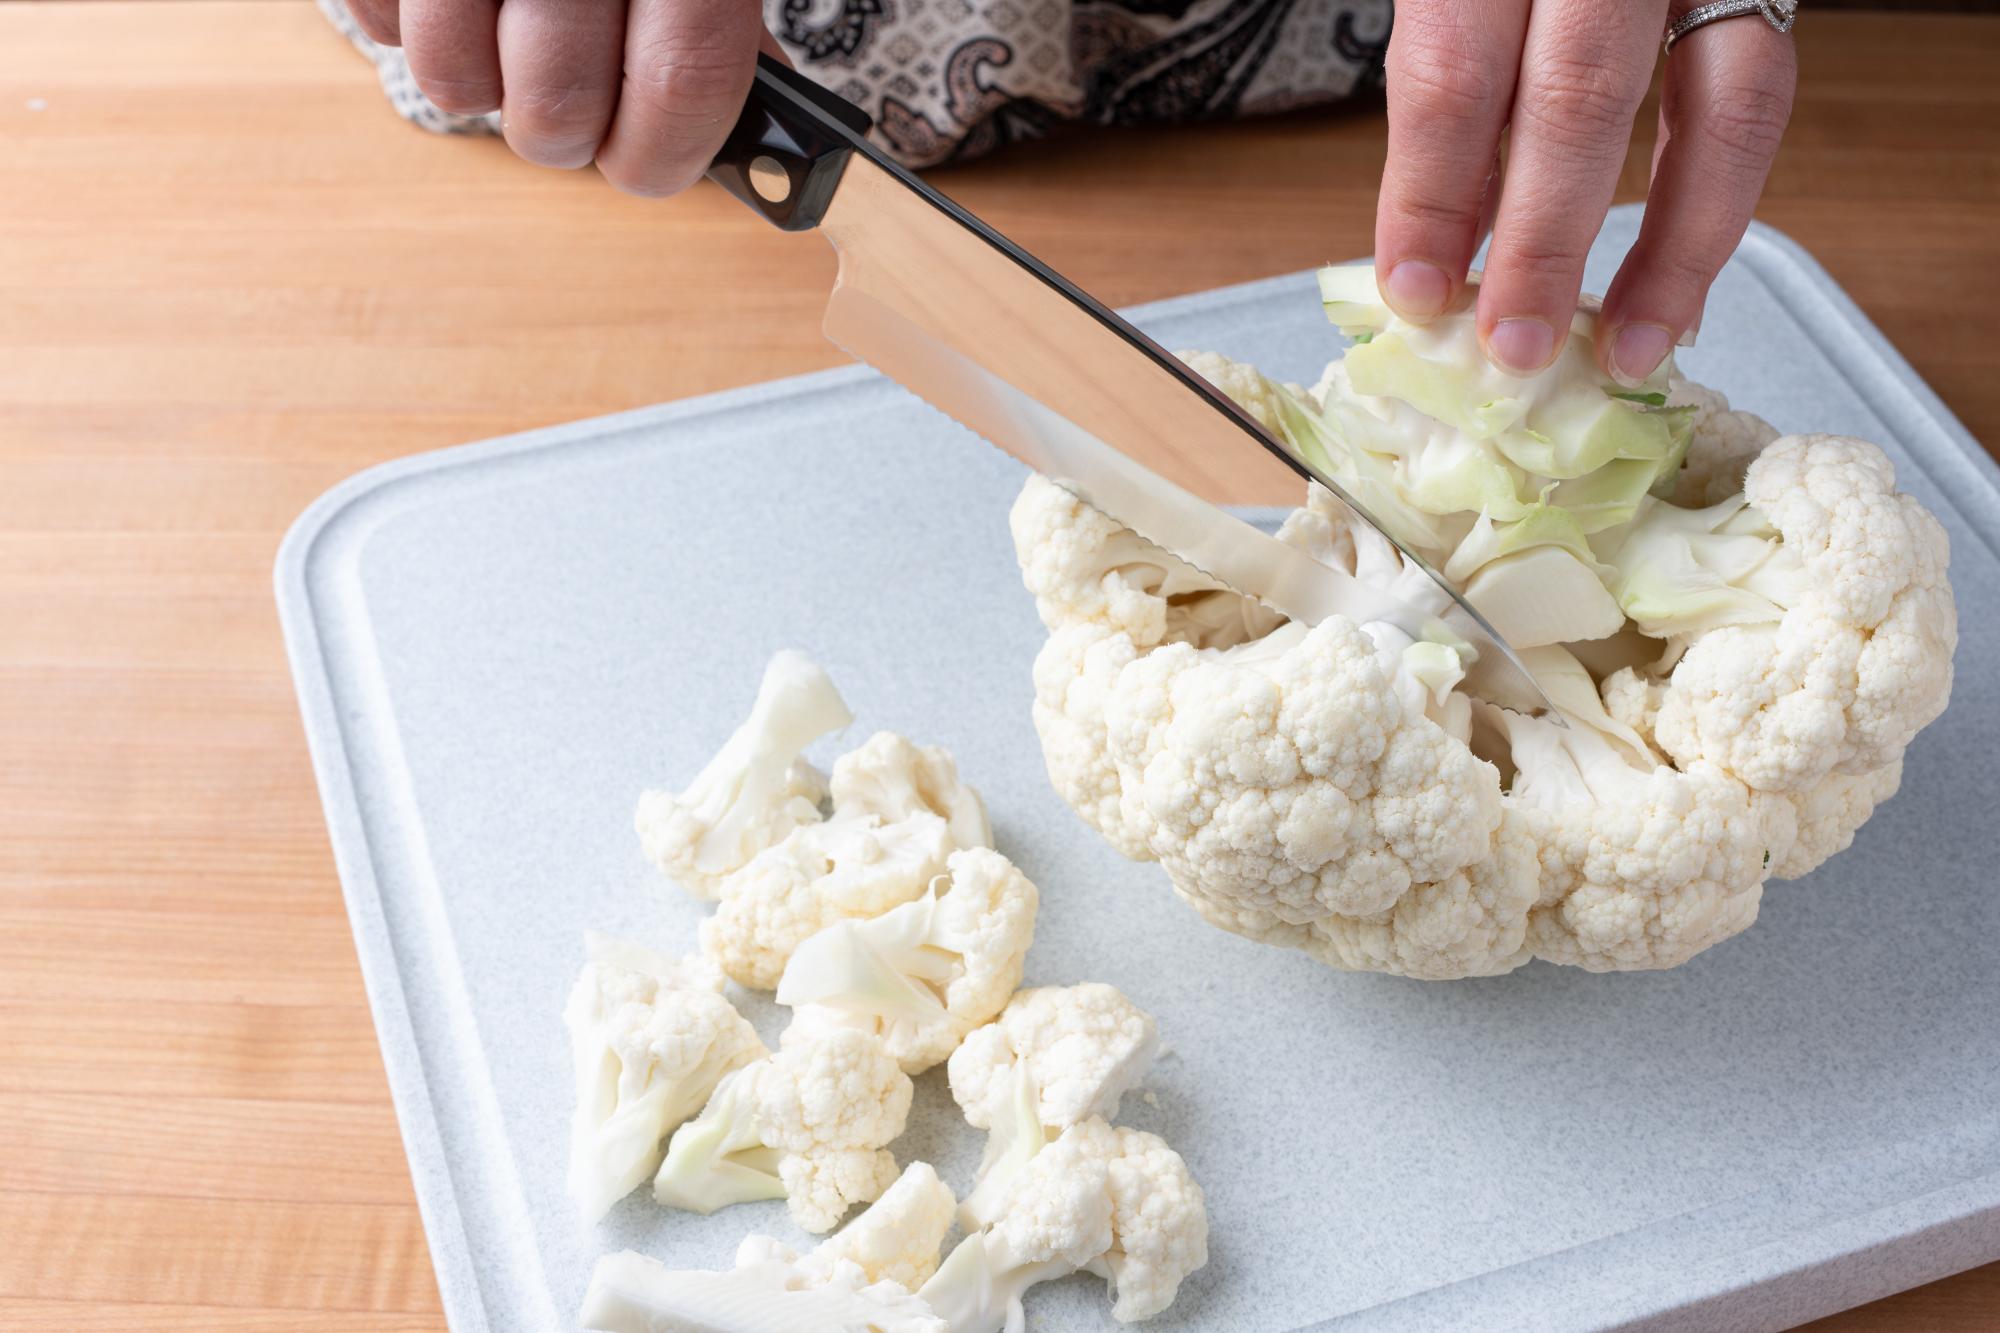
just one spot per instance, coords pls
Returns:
(847, 867)
(650, 1038)
(897, 1238)
(922, 975)
(1115, 1202)
(859, 1279)
(1056, 1057)
(770, 1290)
(892, 778)
(756, 789)
(807, 1125)
(1742, 664)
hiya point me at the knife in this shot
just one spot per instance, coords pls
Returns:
(968, 321)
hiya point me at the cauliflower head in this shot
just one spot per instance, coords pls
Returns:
(1743, 632)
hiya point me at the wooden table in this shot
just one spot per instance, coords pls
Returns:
(229, 278)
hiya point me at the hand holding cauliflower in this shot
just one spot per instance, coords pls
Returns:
(1741, 665)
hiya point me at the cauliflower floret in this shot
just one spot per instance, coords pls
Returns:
(755, 791)
(1056, 1057)
(1084, 568)
(1642, 866)
(1828, 816)
(894, 779)
(847, 867)
(1246, 387)
(650, 1037)
(1082, 1048)
(806, 1125)
(1860, 661)
(1721, 447)
(924, 974)
(1076, 672)
(769, 1291)
(859, 1279)
(1290, 781)
(1115, 1202)
(895, 1239)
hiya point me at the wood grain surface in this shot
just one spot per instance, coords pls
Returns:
(229, 277)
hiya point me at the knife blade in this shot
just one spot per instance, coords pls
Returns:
(968, 321)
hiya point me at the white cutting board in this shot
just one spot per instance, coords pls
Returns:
(498, 646)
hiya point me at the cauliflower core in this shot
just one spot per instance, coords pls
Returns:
(1741, 666)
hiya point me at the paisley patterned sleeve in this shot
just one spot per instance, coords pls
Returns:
(951, 79)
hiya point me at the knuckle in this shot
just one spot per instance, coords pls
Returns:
(1544, 259)
(1432, 212)
(1744, 123)
(689, 75)
(557, 123)
(1581, 103)
(1678, 269)
(559, 108)
(1443, 83)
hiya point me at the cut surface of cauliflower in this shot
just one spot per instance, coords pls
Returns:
(756, 789)
(1746, 631)
(765, 1293)
(922, 975)
(808, 1124)
(890, 777)
(895, 1239)
(650, 1038)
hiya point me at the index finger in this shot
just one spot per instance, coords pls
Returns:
(1451, 70)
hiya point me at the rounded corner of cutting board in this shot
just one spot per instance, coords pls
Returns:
(296, 550)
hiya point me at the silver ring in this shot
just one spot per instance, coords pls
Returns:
(1780, 14)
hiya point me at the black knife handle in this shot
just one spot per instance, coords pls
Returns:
(788, 148)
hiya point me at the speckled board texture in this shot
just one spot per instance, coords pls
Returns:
(497, 647)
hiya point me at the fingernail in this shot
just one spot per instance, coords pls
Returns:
(1521, 346)
(1637, 352)
(1417, 290)
(1687, 339)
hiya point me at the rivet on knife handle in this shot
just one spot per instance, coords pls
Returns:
(785, 154)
